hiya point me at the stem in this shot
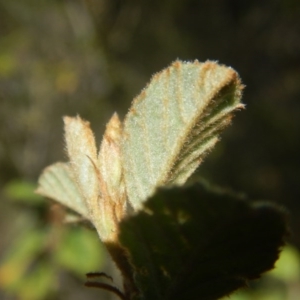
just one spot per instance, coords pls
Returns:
(121, 258)
(107, 287)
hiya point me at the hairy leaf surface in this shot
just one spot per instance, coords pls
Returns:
(174, 122)
(57, 183)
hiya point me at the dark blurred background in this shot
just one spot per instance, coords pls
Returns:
(92, 57)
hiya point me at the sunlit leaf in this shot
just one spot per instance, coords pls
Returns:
(112, 203)
(57, 183)
(174, 122)
(82, 152)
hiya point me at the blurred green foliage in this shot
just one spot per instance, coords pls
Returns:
(22, 191)
(30, 266)
(91, 57)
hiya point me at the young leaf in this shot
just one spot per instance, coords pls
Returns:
(196, 243)
(82, 152)
(100, 186)
(112, 205)
(57, 183)
(110, 167)
(91, 185)
(174, 122)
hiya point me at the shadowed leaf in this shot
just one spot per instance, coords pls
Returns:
(192, 243)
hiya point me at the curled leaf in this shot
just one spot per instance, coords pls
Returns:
(174, 122)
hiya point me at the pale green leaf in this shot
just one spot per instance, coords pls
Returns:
(80, 251)
(82, 152)
(174, 122)
(112, 205)
(57, 183)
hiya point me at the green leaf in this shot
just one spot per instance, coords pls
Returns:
(39, 283)
(174, 122)
(194, 243)
(19, 257)
(288, 266)
(57, 183)
(80, 251)
(22, 191)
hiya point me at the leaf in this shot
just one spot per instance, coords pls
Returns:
(19, 258)
(112, 205)
(22, 191)
(57, 183)
(174, 122)
(110, 164)
(39, 283)
(169, 129)
(194, 243)
(80, 251)
(82, 152)
(90, 184)
(288, 266)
